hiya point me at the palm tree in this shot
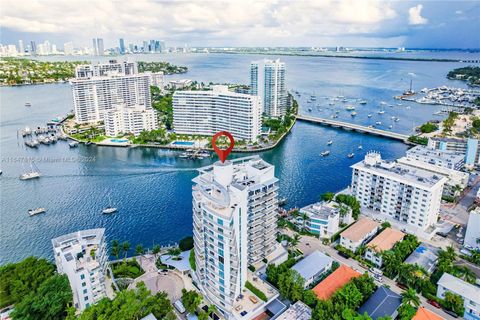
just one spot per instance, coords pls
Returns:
(115, 248)
(139, 250)
(295, 240)
(156, 250)
(174, 251)
(125, 248)
(211, 309)
(410, 297)
(464, 273)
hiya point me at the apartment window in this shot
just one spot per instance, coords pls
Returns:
(84, 291)
(82, 277)
(220, 221)
(84, 284)
(85, 298)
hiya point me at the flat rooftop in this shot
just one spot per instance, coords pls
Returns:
(360, 229)
(460, 287)
(322, 209)
(386, 240)
(444, 155)
(401, 172)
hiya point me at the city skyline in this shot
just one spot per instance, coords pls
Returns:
(414, 24)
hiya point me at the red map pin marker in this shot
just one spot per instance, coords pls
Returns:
(223, 153)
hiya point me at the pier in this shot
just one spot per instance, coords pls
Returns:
(355, 127)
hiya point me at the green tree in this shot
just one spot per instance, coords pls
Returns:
(406, 312)
(191, 300)
(410, 297)
(125, 248)
(327, 196)
(386, 224)
(454, 302)
(130, 304)
(139, 249)
(50, 301)
(174, 252)
(186, 243)
(156, 250)
(310, 298)
(17, 280)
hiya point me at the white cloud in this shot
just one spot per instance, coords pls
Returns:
(250, 20)
(415, 15)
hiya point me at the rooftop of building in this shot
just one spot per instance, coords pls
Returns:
(360, 229)
(312, 264)
(425, 255)
(472, 234)
(441, 171)
(383, 302)
(448, 139)
(445, 155)
(216, 90)
(399, 171)
(337, 279)
(248, 301)
(460, 287)
(386, 240)
(424, 314)
(297, 311)
(87, 236)
(322, 210)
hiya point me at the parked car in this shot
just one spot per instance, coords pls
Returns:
(453, 314)
(401, 286)
(243, 313)
(340, 253)
(434, 303)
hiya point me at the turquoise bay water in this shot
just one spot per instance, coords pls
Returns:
(152, 187)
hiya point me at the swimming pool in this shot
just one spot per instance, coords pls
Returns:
(119, 140)
(183, 143)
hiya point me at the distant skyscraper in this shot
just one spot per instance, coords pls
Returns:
(68, 48)
(145, 46)
(121, 44)
(234, 225)
(162, 46)
(33, 48)
(267, 81)
(21, 47)
(98, 48)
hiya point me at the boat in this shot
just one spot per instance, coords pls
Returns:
(26, 132)
(32, 174)
(397, 119)
(381, 112)
(109, 209)
(349, 108)
(353, 114)
(410, 91)
(309, 109)
(33, 212)
(378, 123)
(88, 143)
(28, 104)
(360, 147)
(351, 155)
(325, 153)
(183, 155)
(369, 115)
(392, 117)
(363, 102)
(334, 116)
(73, 144)
(390, 127)
(329, 142)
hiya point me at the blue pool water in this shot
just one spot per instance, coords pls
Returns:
(119, 140)
(152, 187)
(183, 143)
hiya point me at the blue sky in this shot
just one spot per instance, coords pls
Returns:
(320, 23)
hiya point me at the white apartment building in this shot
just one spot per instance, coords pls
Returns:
(134, 119)
(402, 192)
(324, 218)
(359, 233)
(100, 87)
(156, 79)
(469, 293)
(234, 225)
(83, 256)
(449, 159)
(456, 182)
(208, 112)
(267, 81)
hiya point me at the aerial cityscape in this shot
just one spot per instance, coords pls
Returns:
(240, 160)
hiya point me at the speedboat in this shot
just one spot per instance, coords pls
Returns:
(349, 108)
(351, 155)
(381, 112)
(33, 212)
(360, 147)
(109, 210)
(329, 142)
(353, 114)
(390, 127)
(363, 102)
(73, 144)
(378, 123)
(325, 153)
(397, 119)
(369, 115)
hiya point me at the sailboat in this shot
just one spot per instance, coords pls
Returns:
(32, 174)
(109, 209)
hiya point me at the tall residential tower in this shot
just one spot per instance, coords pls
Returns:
(234, 225)
(267, 81)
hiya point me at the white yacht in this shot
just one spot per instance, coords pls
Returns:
(379, 123)
(32, 174)
(353, 114)
(350, 108)
(360, 147)
(325, 153)
(369, 115)
(329, 142)
(109, 209)
(33, 212)
(351, 155)
(381, 112)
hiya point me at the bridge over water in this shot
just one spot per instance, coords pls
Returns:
(354, 127)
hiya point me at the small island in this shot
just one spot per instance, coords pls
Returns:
(469, 74)
(14, 71)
